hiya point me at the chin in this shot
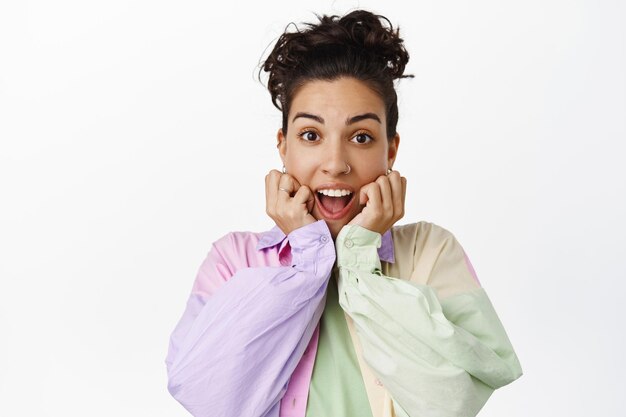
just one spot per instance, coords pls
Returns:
(334, 225)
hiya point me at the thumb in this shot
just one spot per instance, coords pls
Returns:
(310, 202)
(294, 182)
(305, 196)
(363, 197)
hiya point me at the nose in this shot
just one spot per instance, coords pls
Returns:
(335, 162)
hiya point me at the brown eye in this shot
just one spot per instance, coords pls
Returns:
(362, 138)
(309, 136)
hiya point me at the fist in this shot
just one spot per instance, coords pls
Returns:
(288, 203)
(384, 203)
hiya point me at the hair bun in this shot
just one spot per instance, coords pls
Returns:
(367, 33)
(360, 32)
(360, 44)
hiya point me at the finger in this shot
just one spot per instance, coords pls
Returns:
(371, 194)
(267, 191)
(304, 196)
(363, 197)
(271, 181)
(296, 184)
(310, 203)
(286, 182)
(397, 190)
(403, 191)
(386, 197)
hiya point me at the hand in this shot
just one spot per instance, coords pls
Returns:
(384, 199)
(289, 211)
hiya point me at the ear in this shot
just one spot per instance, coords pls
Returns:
(281, 144)
(393, 149)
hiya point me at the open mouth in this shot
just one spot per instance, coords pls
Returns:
(334, 203)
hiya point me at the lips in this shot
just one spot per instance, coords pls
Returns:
(331, 207)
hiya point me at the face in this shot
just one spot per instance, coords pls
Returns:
(333, 124)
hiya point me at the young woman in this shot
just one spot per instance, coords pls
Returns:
(336, 311)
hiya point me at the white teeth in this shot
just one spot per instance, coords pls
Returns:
(335, 193)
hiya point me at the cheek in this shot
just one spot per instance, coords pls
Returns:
(301, 166)
(371, 168)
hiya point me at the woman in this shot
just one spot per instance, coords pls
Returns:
(336, 311)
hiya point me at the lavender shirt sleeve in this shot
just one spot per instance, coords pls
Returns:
(233, 352)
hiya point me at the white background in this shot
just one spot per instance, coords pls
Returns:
(134, 134)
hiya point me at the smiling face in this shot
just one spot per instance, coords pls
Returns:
(332, 124)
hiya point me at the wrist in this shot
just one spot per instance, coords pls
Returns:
(310, 244)
(357, 247)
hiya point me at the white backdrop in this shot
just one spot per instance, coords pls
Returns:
(134, 134)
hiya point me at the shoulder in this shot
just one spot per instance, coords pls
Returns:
(438, 258)
(237, 238)
(235, 246)
(423, 234)
(229, 253)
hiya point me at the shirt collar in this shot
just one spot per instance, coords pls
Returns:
(275, 236)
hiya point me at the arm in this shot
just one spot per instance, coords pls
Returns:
(239, 339)
(435, 357)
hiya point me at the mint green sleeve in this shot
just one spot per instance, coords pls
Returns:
(436, 357)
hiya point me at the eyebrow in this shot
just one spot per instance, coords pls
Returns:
(349, 120)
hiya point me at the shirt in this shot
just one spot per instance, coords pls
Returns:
(337, 386)
(247, 340)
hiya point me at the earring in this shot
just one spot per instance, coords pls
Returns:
(389, 170)
(349, 168)
(284, 169)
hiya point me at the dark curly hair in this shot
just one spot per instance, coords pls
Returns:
(357, 45)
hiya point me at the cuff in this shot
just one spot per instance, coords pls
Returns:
(310, 244)
(357, 248)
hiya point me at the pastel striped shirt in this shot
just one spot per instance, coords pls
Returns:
(247, 341)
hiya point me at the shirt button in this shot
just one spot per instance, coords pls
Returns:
(324, 239)
(377, 381)
(349, 243)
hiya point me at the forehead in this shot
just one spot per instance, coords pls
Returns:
(342, 97)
